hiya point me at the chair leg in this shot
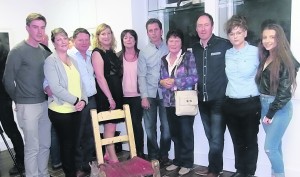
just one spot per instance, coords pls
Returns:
(156, 168)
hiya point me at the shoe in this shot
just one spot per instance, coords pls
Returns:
(165, 161)
(184, 171)
(238, 174)
(57, 166)
(171, 167)
(14, 170)
(202, 172)
(213, 175)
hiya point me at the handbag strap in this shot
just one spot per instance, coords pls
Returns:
(177, 64)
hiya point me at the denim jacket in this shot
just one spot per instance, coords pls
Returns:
(186, 77)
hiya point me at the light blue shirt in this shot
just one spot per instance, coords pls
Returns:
(149, 69)
(85, 69)
(241, 68)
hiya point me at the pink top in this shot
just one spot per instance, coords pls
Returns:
(129, 82)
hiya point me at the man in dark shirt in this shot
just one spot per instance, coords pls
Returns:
(7, 117)
(210, 61)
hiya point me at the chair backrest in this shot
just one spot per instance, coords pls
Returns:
(97, 118)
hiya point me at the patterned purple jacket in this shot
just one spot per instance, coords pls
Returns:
(186, 77)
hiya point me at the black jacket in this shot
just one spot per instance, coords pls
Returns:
(283, 94)
(3, 57)
(212, 80)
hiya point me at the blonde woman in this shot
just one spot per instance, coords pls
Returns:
(107, 69)
(68, 99)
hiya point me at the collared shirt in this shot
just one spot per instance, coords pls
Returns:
(241, 68)
(185, 77)
(210, 62)
(172, 66)
(85, 69)
(149, 69)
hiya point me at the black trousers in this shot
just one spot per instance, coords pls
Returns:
(242, 118)
(66, 126)
(182, 134)
(136, 111)
(11, 129)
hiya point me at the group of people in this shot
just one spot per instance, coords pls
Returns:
(238, 85)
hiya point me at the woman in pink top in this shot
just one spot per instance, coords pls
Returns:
(129, 58)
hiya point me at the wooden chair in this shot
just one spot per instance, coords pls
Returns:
(133, 167)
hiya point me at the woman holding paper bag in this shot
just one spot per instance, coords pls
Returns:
(178, 72)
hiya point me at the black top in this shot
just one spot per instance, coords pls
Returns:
(283, 94)
(210, 63)
(112, 74)
(3, 57)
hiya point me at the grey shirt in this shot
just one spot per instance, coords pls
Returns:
(24, 75)
(149, 69)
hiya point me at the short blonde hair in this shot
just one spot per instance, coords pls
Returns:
(57, 31)
(96, 43)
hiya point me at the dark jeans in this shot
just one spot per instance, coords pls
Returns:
(66, 126)
(85, 148)
(182, 134)
(136, 111)
(150, 121)
(55, 148)
(214, 127)
(242, 117)
(11, 129)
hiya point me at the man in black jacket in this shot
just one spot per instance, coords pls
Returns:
(210, 62)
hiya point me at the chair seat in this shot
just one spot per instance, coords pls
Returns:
(135, 167)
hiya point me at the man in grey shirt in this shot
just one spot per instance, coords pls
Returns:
(23, 80)
(85, 147)
(148, 78)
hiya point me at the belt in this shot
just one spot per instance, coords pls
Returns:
(241, 100)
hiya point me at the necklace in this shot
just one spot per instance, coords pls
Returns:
(67, 62)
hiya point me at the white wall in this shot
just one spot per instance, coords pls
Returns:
(71, 14)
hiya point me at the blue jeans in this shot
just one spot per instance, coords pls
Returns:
(150, 121)
(214, 127)
(275, 132)
(55, 148)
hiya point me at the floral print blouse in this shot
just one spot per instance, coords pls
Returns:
(186, 77)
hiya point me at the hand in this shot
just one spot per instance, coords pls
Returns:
(80, 105)
(267, 121)
(48, 91)
(167, 83)
(112, 104)
(145, 103)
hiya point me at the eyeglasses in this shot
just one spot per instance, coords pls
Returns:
(238, 33)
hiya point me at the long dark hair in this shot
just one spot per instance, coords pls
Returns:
(282, 57)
